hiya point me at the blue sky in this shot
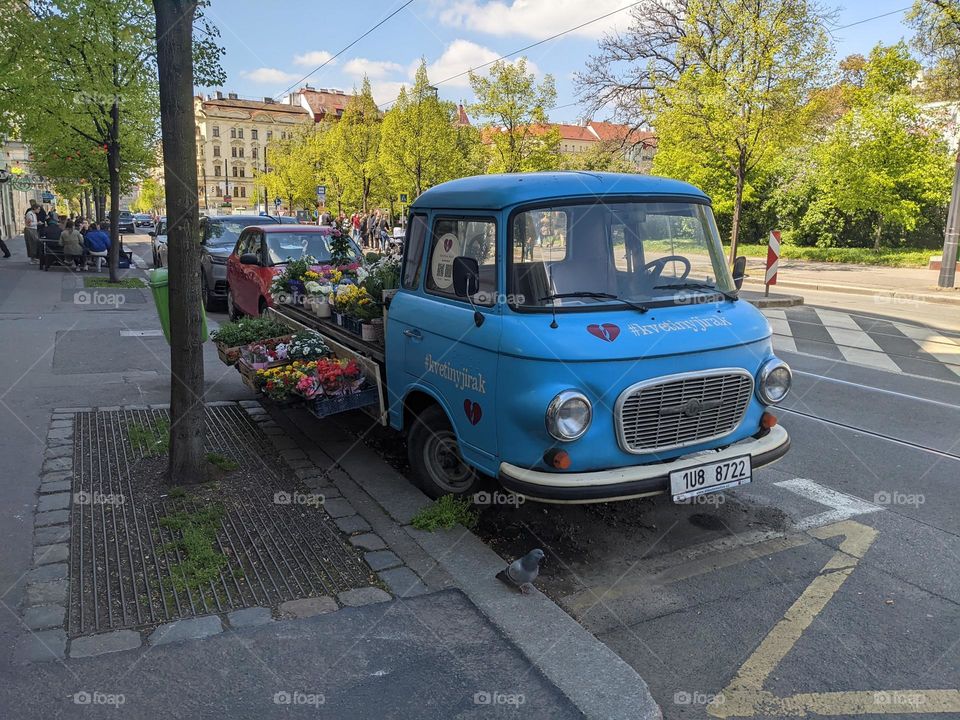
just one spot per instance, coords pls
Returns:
(272, 45)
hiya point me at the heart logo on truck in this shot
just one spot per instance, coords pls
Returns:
(447, 244)
(607, 331)
(473, 411)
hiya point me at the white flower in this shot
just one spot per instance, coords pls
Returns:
(362, 274)
(312, 287)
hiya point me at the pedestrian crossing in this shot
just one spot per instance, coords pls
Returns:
(865, 340)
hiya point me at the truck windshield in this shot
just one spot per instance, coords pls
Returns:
(638, 252)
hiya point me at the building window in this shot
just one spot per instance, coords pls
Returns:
(216, 170)
(242, 172)
(269, 134)
(233, 132)
(216, 151)
(243, 192)
(233, 152)
(253, 134)
(241, 152)
(254, 153)
(234, 170)
(216, 131)
(240, 133)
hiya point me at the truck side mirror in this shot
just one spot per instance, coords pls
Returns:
(249, 259)
(466, 276)
(739, 271)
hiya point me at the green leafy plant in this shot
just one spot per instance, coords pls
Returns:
(445, 513)
(247, 330)
(152, 440)
(200, 562)
(222, 461)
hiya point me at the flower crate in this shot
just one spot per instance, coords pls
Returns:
(352, 325)
(331, 405)
(228, 355)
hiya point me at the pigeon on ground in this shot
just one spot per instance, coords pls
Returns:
(521, 573)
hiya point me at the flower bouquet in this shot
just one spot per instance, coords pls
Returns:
(307, 346)
(279, 383)
(266, 353)
(289, 285)
(231, 337)
(334, 385)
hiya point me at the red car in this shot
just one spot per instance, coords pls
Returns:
(261, 252)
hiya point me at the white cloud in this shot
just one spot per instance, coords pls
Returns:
(312, 58)
(359, 67)
(386, 91)
(269, 76)
(533, 18)
(459, 56)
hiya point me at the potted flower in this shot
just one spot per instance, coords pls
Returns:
(231, 337)
(307, 346)
(266, 353)
(317, 300)
(334, 385)
(288, 285)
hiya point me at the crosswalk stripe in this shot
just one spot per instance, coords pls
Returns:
(782, 337)
(942, 348)
(854, 344)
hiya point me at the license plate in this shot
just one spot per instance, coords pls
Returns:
(709, 477)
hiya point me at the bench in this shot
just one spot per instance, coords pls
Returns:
(51, 253)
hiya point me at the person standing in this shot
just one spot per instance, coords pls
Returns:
(30, 235)
(3, 245)
(373, 226)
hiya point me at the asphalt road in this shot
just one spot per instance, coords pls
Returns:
(830, 586)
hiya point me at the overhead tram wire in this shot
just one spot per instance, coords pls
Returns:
(343, 50)
(528, 47)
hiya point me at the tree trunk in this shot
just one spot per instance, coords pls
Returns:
(877, 234)
(113, 156)
(737, 208)
(175, 66)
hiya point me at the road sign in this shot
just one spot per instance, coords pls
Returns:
(46, 196)
(403, 198)
(321, 193)
(277, 202)
(773, 259)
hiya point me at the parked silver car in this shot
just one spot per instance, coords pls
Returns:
(158, 243)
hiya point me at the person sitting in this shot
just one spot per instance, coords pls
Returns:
(72, 242)
(97, 243)
(52, 230)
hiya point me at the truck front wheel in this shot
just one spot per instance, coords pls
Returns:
(434, 454)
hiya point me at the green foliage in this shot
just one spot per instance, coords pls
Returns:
(247, 330)
(200, 562)
(937, 37)
(127, 282)
(340, 248)
(353, 150)
(857, 256)
(445, 513)
(420, 145)
(151, 198)
(153, 440)
(222, 462)
(512, 110)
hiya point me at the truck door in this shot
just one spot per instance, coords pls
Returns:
(452, 344)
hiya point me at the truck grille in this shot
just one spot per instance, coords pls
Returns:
(681, 410)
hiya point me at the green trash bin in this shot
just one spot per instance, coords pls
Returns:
(158, 286)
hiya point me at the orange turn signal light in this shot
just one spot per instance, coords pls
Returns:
(558, 459)
(768, 420)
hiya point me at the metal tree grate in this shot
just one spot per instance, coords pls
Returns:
(126, 566)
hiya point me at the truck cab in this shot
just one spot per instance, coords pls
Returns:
(578, 337)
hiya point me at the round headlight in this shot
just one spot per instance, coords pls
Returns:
(569, 415)
(774, 381)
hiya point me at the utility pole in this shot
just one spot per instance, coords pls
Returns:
(948, 263)
(266, 198)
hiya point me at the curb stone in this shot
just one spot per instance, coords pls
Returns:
(403, 582)
(43, 646)
(363, 596)
(103, 643)
(352, 524)
(186, 629)
(308, 607)
(44, 616)
(248, 617)
(368, 541)
(382, 560)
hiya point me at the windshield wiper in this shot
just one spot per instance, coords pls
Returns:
(596, 295)
(732, 297)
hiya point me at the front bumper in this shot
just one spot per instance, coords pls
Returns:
(634, 481)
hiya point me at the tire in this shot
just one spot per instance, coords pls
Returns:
(435, 459)
(233, 312)
(209, 302)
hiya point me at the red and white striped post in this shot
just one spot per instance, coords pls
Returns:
(773, 260)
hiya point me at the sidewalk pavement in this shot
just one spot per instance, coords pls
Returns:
(467, 644)
(906, 283)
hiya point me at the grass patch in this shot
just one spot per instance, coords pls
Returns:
(222, 461)
(200, 562)
(153, 440)
(855, 256)
(177, 491)
(92, 281)
(445, 513)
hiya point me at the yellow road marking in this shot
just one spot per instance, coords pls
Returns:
(745, 696)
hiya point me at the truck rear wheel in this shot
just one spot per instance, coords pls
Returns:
(434, 454)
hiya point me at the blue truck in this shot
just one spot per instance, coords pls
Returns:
(578, 337)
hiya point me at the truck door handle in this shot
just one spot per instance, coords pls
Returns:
(413, 333)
